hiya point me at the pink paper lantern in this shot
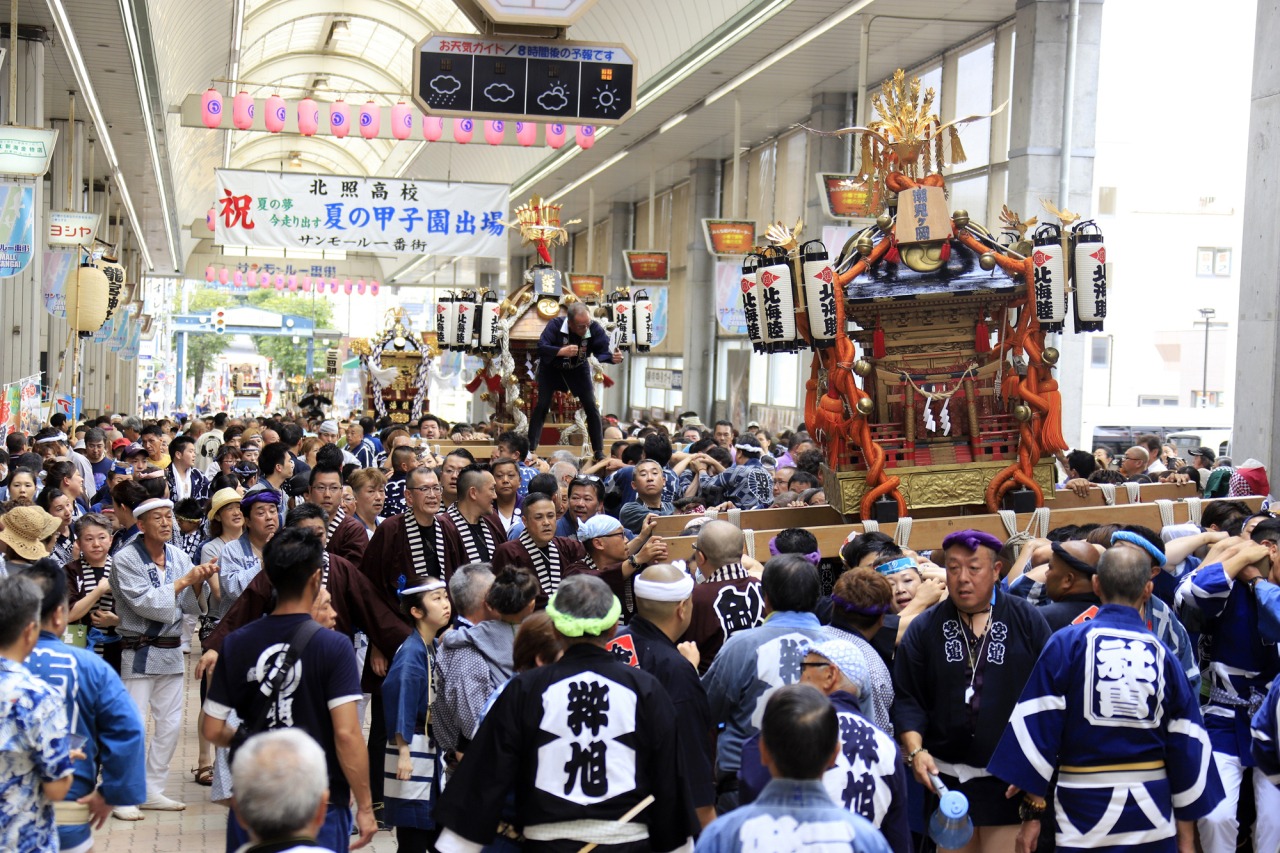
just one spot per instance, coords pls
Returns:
(306, 284)
(346, 286)
(339, 119)
(526, 133)
(374, 287)
(432, 128)
(333, 285)
(242, 109)
(401, 121)
(238, 279)
(308, 117)
(293, 284)
(209, 274)
(462, 130)
(223, 276)
(276, 113)
(370, 120)
(360, 286)
(211, 218)
(279, 281)
(494, 131)
(211, 108)
(585, 135)
(251, 278)
(264, 281)
(555, 135)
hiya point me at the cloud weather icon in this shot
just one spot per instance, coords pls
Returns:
(446, 84)
(554, 99)
(499, 93)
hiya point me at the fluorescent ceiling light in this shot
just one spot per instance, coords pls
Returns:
(722, 44)
(135, 53)
(63, 23)
(672, 122)
(777, 56)
(233, 71)
(589, 175)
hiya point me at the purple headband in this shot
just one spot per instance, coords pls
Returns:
(814, 557)
(849, 607)
(972, 540)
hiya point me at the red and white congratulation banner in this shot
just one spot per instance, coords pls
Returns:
(379, 215)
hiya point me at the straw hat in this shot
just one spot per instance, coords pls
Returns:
(26, 528)
(221, 498)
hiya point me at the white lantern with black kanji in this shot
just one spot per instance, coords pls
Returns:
(490, 313)
(623, 321)
(751, 302)
(777, 302)
(642, 320)
(444, 321)
(114, 272)
(1049, 277)
(819, 293)
(1089, 252)
(465, 320)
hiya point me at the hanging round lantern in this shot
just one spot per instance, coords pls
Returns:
(308, 117)
(279, 281)
(224, 275)
(555, 135)
(87, 299)
(346, 286)
(339, 119)
(276, 113)
(238, 279)
(293, 284)
(264, 281)
(373, 288)
(370, 120)
(585, 135)
(211, 218)
(462, 130)
(333, 285)
(209, 274)
(432, 128)
(360, 286)
(211, 108)
(251, 278)
(401, 121)
(526, 133)
(242, 110)
(494, 131)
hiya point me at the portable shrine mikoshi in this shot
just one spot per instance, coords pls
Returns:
(932, 387)
(396, 365)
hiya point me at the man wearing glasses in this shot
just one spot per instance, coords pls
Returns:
(1134, 462)
(403, 545)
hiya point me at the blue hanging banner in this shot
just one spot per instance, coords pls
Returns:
(17, 228)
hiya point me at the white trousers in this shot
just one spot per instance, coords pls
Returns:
(1219, 830)
(162, 696)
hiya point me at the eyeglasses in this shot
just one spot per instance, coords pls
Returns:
(810, 665)
(1133, 459)
(428, 490)
(586, 478)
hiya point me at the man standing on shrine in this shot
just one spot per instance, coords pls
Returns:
(582, 742)
(563, 350)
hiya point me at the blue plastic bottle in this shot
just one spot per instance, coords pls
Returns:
(950, 826)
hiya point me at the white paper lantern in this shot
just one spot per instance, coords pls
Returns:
(750, 301)
(1049, 279)
(623, 328)
(642, 320)
(465, 320)
(87, 298)
(777, 304)
(819, 293)
(489, 316)
(1090, 274)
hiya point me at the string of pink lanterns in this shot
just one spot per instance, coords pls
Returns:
(291, 282)
(369, 121)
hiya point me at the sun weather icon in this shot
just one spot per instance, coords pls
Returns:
(606, 99)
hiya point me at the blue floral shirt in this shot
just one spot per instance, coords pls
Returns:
(33, 750)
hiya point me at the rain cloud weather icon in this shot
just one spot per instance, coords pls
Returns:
(554, 99)
(446, 84)
(499, 93)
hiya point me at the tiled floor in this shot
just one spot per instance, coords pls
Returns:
(202, 826)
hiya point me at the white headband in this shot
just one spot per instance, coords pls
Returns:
(50, 439)
(430, 586)
(154, 503)
(749, 448)
(664, 590)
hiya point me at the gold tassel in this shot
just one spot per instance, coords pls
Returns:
(957, 150)
(867, 163)
(937, 144)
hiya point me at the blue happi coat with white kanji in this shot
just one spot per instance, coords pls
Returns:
(1109, 709)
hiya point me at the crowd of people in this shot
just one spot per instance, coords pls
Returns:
(429, 629)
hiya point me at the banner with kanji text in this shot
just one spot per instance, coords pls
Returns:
(378, 215)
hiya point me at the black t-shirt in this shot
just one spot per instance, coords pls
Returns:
(323, 678)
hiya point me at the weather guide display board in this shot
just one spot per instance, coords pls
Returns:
(572, 82)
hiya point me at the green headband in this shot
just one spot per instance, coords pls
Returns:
(576, 626)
